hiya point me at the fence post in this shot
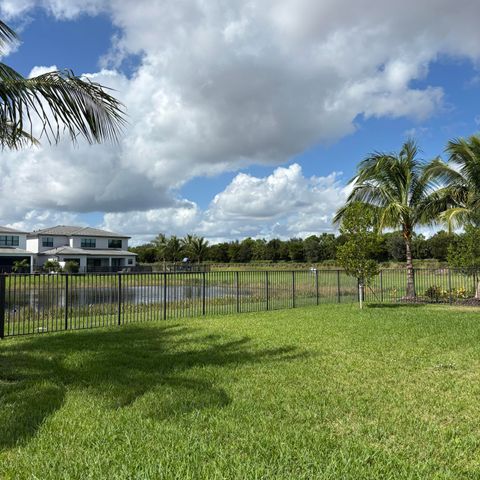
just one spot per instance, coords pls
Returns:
(238, 291)
(381, 286)
(2, 306)
(338, 286)
(293, 288)
(316, 286)
(119, 298)
(203, 293)
(164, 295)
(66, 301)
(450, 299)
(266, 287)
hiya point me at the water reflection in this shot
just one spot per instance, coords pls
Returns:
(40, 299)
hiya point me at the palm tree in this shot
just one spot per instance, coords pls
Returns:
(174, 248)
(59, 101)
(397, 189)
(459, 196)
(187, 242)
(160, 243)
(198, 248)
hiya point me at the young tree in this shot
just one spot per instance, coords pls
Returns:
(464, 254)
(355, 255)
(57, 101)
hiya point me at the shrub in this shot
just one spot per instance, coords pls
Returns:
(52, 266)
(435, 293)
(71, 267)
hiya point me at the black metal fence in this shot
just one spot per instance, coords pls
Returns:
(41, 303)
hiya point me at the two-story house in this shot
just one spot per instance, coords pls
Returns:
(13, 248)
(93, 249)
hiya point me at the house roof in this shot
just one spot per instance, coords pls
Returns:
(9, 230)
(14, 252)
(72, 231)
(90, 252)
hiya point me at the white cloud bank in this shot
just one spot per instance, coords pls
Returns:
(283, 204)
(223, 85)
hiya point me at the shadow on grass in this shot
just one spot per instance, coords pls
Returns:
(396, 305)
(119, 369)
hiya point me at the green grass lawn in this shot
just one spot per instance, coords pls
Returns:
(311, 393)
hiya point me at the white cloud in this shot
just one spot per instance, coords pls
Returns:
(225, 85)
(145, 225)
(284, 204)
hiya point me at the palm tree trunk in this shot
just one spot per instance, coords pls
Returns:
(410, 273)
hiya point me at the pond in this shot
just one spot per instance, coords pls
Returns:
(41, 299)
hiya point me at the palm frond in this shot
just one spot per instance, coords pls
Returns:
(7, 36)
(11, 137)
(61, 102)
(455, 217)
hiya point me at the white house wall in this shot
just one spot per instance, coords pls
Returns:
(32, 245)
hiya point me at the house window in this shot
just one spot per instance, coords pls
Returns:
(9, 241)
(47, 241)
(130, 261)
(88, 243)
(114, 243)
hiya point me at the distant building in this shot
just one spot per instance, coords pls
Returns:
(93, 249)
(13, 248)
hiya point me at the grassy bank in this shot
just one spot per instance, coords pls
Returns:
(319, 392)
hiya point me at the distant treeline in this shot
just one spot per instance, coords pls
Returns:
(312, 249)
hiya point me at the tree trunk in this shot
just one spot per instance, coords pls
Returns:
(360, 294)
(410, 272)
(477, 290)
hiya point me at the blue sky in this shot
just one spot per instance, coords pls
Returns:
(182, 199)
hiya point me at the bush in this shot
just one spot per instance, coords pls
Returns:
(52, 266)
(21, 266)
(435, 293)
(71, 267)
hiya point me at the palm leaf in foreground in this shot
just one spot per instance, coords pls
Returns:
(62, 102)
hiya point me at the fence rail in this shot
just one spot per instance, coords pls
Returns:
(40, 303)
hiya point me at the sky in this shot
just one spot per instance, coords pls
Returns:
(245, 118)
